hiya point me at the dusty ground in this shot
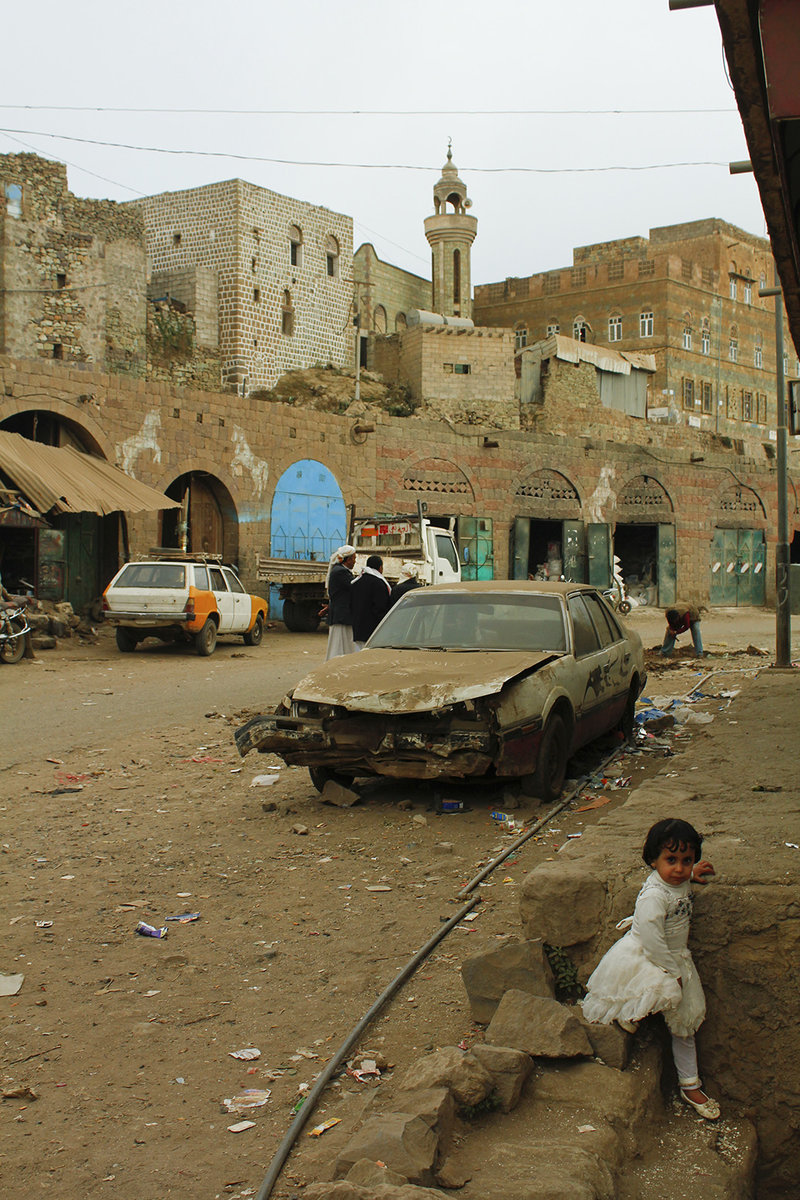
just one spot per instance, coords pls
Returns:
(125, 1040)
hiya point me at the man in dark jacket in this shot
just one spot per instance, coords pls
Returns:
(339, 609)
(407, 581)
(369, 600)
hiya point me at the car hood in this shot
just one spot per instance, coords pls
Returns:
(410, 681)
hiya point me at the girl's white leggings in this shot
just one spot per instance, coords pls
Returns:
(684, 1053)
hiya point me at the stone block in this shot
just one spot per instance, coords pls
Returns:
(517, 966)
(510, 1070)
(346, 1190)
(370, 1174)
(611, 1045)
(401, 1140)
(342, 797)
(562, 903)
(451, 1068)
(538, 1026)
(435, 1106)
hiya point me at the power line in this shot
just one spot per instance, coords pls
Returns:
(293, 162)
(377, 112)
(93, 174)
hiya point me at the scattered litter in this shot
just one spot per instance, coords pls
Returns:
(152, 992)
(586, 1129)
(184, 918)
(419, 819)
(452, 806)
(240, 1126)
(183, 895)
(318, 1130)
(150, 930)
(378, 887)
(767, 787)
(245, 1055)
(792, 845)
(44, 924)
(58, 761)
(598, 802)
(472, 916)
(249, 1099)
(202, 758)
(10, 984)
(574, 835)
(264, 780)
(67, 876)
(22, 1092)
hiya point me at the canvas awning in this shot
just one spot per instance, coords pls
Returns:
(65, 481)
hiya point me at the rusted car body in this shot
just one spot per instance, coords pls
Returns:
(491, 680)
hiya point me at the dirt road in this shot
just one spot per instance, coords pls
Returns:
(306, 913)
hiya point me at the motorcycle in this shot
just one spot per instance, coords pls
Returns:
(13, 628)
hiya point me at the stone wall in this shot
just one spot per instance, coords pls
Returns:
(275, 315)
(197, 290)
(385, 293)
(174, 352)
(72, 271)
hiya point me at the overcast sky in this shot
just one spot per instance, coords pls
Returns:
(496, 76)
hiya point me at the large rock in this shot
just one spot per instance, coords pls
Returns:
(345, 1190)
(336, 793)
(370, 1174)
(401, 1140)
(562, 903)
(509, 1070)
(610, 1043)
(537, 1026)
(435, 1106)
(451, 1068)
(517, 966)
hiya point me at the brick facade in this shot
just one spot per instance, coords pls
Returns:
(284, 271)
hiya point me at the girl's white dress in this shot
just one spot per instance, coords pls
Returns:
(639, 974)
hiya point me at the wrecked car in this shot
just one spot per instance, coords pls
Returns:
(491, 681)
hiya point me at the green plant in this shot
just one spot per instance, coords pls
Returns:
(400, 402)
(471, 1112)
(564, 971)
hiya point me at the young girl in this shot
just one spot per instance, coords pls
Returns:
(650, 969)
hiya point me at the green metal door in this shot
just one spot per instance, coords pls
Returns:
(738, 558)
(598, 539)
(574, 552)
(83, 558)
(724, 559)
(666, 564)
(520, 547)
(476, 547)
(752, 557)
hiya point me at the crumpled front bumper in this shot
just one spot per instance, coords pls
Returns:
(371, 744)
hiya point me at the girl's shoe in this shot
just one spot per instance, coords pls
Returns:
(708, 1108)
(628, 1026)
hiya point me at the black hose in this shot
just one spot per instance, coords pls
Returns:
(322, 1081)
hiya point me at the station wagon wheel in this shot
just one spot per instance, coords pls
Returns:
(206, 639)
(551, 768)
(126, 641)
(322, 775)
(253, 636)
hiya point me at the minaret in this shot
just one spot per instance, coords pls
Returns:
(451, 232)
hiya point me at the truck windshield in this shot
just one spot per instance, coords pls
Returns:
(423, 621)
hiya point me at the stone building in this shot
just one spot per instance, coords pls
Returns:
(385, 294)
(270, 277)
(71, 271)
(688, 294)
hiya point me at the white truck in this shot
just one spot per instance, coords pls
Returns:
(397, 539)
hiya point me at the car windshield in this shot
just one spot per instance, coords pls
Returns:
(151, 575)
(473, 621)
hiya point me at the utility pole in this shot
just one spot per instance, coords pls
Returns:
(782, 594)
(357, 323)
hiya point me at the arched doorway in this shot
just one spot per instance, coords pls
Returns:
(207, 520)
(308, 519)
(76, 556)
(548, 539)
(644, 540)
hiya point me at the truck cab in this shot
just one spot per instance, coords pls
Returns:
(399, 539)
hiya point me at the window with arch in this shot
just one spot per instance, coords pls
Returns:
(13, 193)
(553, 328)
(687, 336)
(748, 291)
(400, 321)
(758, 353)
(520, 337)
(295, 246)
(379, 319)
(331, 257)
(287, 314)
(733, 345)
(732, 282)
(615, 328)
(581, 329)
(705, 337)
(456, 278)
(646, 323)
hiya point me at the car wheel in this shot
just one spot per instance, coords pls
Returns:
(626, 722)
(206, 639)
(126, 641)
(548, 779)
(13, 650)
(253, 636)
(322, 775)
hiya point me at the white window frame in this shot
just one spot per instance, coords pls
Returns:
(646, 324)
(687, 337)
(748, 291)
(552, 330)
(705, 341)
(732, 287)
(615, 329)
(758, 358)
(733, 350)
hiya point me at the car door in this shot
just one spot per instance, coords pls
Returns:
(241, 602)
(223, 597)
(590, 685)
(619, 657)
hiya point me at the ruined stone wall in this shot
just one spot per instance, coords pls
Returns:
(196, 289)
(174, 354)
(72, 271)
(385, 293)
(274, 315)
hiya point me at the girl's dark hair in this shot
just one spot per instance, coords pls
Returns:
(671, 834)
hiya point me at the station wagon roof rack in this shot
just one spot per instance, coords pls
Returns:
(169, 554)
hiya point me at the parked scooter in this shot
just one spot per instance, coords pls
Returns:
(13, 628)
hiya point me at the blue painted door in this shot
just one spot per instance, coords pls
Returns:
(308, 518)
